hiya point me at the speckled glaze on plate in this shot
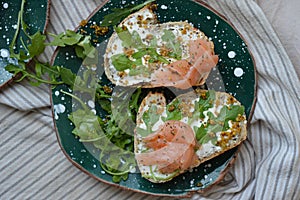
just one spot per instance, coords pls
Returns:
(235, 74)
(36, 14)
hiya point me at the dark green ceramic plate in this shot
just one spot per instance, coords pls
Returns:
(35, 15)
(235, 74)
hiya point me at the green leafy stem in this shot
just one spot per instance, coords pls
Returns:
(87, 126)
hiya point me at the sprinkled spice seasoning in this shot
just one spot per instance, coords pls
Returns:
(99, 30)
(83, 23)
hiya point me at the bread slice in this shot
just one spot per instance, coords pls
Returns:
(217, 119)
(141, 51)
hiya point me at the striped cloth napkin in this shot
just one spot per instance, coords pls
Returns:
(32, 165)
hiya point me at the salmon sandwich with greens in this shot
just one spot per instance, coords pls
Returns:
(143, 52)
(193, 128)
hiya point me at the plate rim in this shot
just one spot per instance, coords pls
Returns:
(184, 194)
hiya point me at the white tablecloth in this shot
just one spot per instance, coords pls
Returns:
(32, 165)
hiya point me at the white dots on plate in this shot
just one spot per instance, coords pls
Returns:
(5, 5)
(208, 17)
(192, 182)
(58, 109)
(4, 53)
(231, 54)
(91, 104)
(132, 170)
(56, 93)
(238, 72)
(164, 7)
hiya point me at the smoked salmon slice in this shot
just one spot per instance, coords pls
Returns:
(173, 147)
(189, 72)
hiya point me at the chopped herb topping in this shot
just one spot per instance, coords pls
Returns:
(172, 44)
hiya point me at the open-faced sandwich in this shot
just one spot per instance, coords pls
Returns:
(196, 126)
(143, 52)
(193, 128)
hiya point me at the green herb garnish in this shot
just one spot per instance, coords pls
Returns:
(150, 117)
(134, 62)
(226, 114)
(118, 14)
(173, 111)
(206, 133)
(205, 102)
(111, 134)
(36, 45)
(129, 40)
(172, 43)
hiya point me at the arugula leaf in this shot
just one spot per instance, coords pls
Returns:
(118, 158)
(57, 40)
(37, 45)
(206, 133)
(108, 135)
(119, 13)
(133, 103)
(205, 102)
(88, 49)
(87, 126)
(67, 76)
(13, 68)
(129, 40)
(155, 56)
(133, 40)
(139, 70)
(63, 39)
(171, 43)
(226, 114)
(150, 117)
(142, 132)
(121, 62)
(153, 42)
(137, 39)
(173, 111)
(83, 47)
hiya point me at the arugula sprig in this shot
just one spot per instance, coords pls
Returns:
(82, 43)
(133, 40)
(110, 132)
(150, 117)
(57, 74)
(117, 159)
(173, 44)
(37, 72)
(118, 14)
